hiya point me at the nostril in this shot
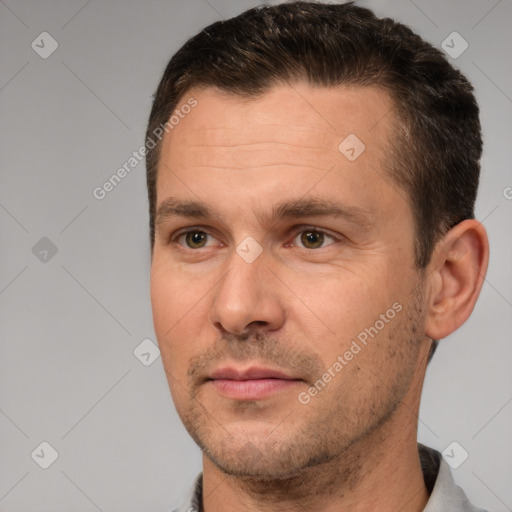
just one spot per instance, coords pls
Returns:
(258, 323)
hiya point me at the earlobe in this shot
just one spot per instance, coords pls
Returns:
(455, 275)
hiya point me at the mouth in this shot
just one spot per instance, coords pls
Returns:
(254, 383)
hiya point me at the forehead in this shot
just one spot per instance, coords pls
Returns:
(293, 135)
(299, 113)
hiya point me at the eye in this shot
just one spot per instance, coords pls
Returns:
(313, 238)
(193, 239)
(309, 238)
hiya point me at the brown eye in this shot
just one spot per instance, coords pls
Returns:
(312, 239)
(195, 239)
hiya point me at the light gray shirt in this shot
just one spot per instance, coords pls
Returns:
(445, 495)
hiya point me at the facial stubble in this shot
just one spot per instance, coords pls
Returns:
(283, 446)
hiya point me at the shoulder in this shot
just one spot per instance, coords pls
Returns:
(444, 493)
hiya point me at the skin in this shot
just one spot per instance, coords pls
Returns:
(302, 302)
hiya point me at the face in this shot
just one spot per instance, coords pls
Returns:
(286, 303)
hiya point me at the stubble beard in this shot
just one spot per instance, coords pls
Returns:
(289, 451)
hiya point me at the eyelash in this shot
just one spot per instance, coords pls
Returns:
(298, 231)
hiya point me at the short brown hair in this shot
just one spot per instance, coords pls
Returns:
(435, 154)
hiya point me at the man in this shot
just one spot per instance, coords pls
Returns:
(311, 193)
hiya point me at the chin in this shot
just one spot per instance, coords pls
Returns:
(260, 456)
(254, 466)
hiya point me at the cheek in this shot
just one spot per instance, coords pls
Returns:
(179, 313)
(171, 296)
(347, 312)
(163, 303)
(346, 303)
(168, 308)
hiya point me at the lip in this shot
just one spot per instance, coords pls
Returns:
(252, 373)
(252, 383)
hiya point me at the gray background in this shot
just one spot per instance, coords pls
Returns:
(71, 320)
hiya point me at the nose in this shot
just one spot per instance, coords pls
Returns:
(247, 298)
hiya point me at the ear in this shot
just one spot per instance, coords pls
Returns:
(455, 277)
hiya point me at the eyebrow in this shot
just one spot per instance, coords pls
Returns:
(293, 209)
